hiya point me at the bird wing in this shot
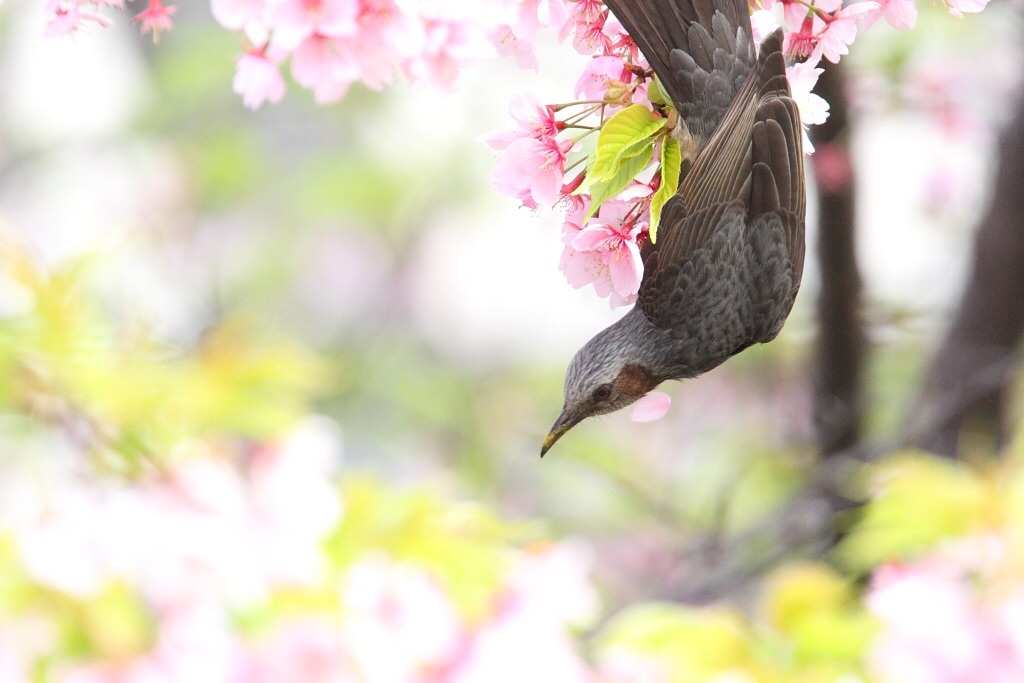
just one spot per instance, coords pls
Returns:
(701, 51)
(733, 234)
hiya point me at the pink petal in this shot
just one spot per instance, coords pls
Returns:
(626, 269)
(901, 14)
(258, 80)
(593, 237)
(651, 407)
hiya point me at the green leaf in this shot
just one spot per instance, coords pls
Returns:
(696, 644)
(657, 95)
(623, 136)
(920, 501)
(606, 189)
(671, 158)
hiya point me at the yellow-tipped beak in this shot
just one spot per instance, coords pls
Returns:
(564, 423)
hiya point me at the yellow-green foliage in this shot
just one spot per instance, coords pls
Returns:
(67, 362)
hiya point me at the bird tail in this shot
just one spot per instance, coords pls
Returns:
(701, 50)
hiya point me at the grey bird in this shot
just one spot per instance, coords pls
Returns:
(728, 260)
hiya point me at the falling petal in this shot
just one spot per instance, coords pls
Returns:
(651, 407)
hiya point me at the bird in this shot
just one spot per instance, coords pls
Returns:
(727, 264)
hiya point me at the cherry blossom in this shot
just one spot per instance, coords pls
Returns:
(533, 119)
(802, 78)
(308, 649)
(236, 14)
(155, 18)
(258, 80)
(618, 42)
(296, 20)
(545, 591)
(839, 30)
(901, 14)
(801, 43)
(586, 24)
(398, 620)
(937, 628)
(605, 252)
(516, 36)
(601, 75)
(66, 16)
(532, 167)
(326, 66)
(958, 7)
(762, 24)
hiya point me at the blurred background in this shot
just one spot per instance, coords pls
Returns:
(273, 385)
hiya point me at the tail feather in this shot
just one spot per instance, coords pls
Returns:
(700, 49)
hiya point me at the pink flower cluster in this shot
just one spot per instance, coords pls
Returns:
(605, 250)
(535, 155)
(397, 624)
(332, 44)
(68, 16)
(954, 617)
(156, 575)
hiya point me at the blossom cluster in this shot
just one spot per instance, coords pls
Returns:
(948, 595)
(331, 44)
(67, 16)
(255, 569)
(546, 161)
(601, 238)
(954, 615)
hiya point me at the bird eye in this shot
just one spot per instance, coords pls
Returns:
(603, 392)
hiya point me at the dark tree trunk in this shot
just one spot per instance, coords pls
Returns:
(965, 390)
(841, 342)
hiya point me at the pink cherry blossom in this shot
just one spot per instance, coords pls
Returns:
(793, 14)
(516, 36)
(67, 16)
(620, 665)
(605, 252)
(326, 66)
(937, 628)
(801, 43)
(396, 620)
(533, 120)
(533, 165)
(762, 24)
(258, 80)
(586, 25)
(552, 580)
(814, 109)
(545, 591)
(600, 75)
(448, 46)
(617, 42)
(901, 14)
(296, 20)
(958, 7)
(155, 18)
(309, 649)
(236, 14)
(840, 30)
(651, 407)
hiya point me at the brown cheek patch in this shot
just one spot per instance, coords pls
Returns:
(635, 380)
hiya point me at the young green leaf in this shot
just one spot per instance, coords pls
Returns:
(657, 95)
(670, 162)
(623, 136)
(606, 189)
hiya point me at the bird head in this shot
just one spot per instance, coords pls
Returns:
(604, 376)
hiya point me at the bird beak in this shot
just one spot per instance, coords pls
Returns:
(564, 423)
